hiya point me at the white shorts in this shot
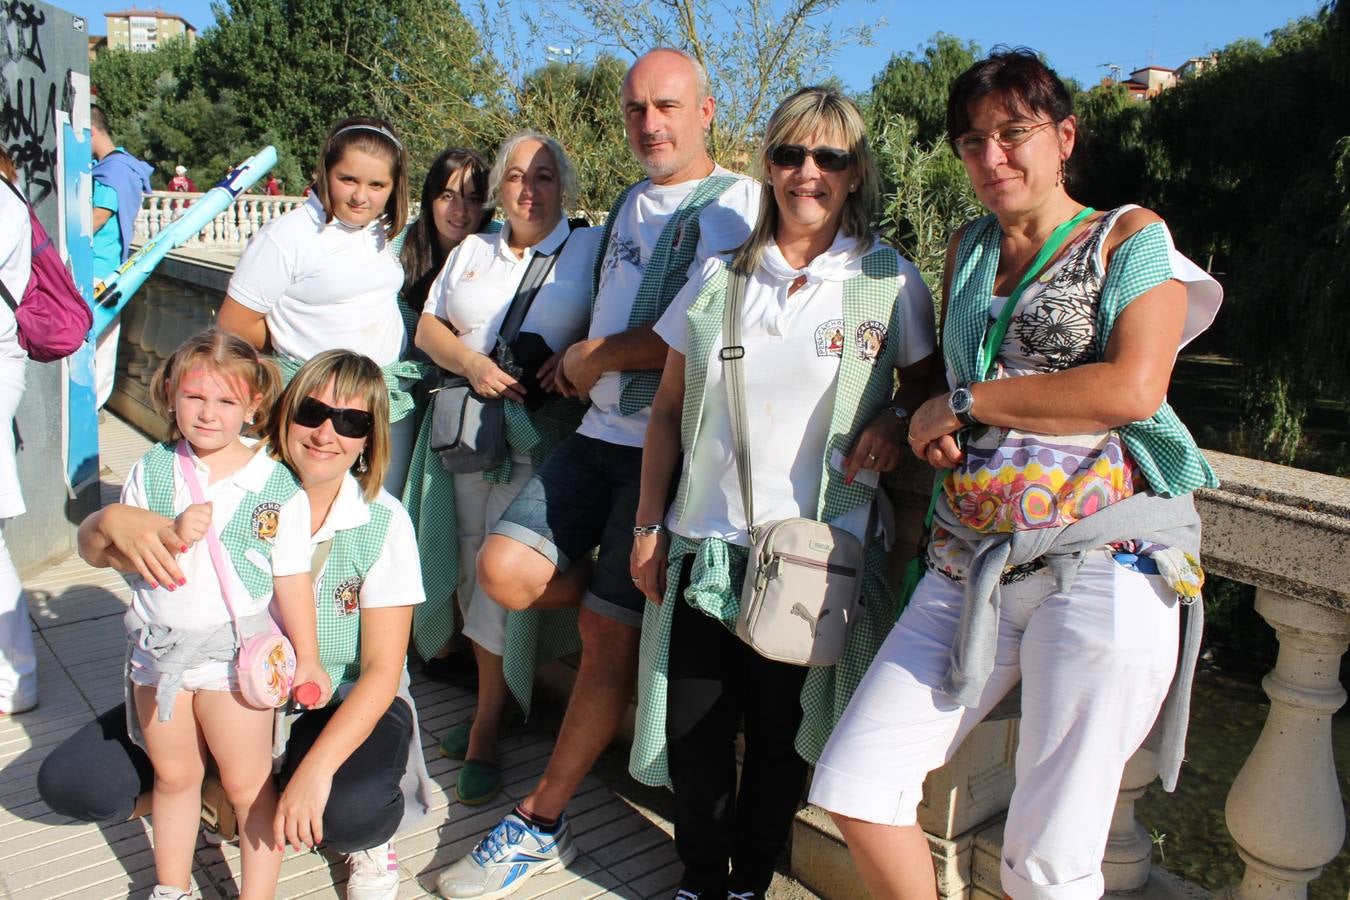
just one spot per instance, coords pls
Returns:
(209, 676)
(1095, 664)
(478, 506)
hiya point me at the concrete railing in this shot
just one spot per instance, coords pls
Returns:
(228, 232)
(1285, 531)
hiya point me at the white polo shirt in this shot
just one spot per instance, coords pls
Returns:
(16, 265)
(793, 344)
(724, 224)
(323, 286)
(199, 603)
(396, 577)
(475, 288)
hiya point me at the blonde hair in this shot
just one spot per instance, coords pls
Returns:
(567, 173)
(376, 137)
(354, 377)
(806, 112)
(224, 353)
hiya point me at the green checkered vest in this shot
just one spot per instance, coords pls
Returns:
(338, 594)
(666, 272)
(1160, 445)
(862, 389)
(252, 526)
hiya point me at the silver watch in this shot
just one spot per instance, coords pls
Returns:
(961, 402)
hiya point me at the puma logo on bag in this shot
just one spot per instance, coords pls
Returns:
(804, 614)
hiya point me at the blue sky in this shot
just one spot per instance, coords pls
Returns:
(1078, 36)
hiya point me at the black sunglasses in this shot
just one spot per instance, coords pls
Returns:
(350, 423)
(828, 159)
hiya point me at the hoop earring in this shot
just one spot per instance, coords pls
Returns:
(361, 467)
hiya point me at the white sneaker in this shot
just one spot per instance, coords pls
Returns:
(505, 859)
(373, 874)
(166, 892)
(24, 698)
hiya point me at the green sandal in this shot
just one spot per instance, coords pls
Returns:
(478, 782)
(455, 744)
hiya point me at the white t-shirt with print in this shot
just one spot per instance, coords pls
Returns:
(475, 288)
(16, 265)
(793, 344)
(199, 603)
(323, 286)
(395, 579)
(724, 224)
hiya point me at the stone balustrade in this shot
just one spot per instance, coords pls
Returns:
(1287, 532)
(228, 232)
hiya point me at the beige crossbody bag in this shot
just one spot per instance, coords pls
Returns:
(804, 577)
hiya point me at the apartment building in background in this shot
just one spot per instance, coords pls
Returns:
(143, 30)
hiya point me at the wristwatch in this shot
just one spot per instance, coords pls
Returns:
(961, 402)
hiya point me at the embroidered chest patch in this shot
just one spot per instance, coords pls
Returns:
(871, 340)
(830, 338)
(347, 596)
(266, 517)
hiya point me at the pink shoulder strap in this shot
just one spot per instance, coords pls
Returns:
(213, 544)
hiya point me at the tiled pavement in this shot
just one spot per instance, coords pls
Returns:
(76, 610)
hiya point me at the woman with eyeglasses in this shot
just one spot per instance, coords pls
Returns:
(344, 763)
(830, 315)
(1064, 539)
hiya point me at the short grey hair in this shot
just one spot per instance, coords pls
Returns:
(567, 174)
(700, 71)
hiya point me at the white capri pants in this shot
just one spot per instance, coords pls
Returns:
(1095, 665)
(478, 506)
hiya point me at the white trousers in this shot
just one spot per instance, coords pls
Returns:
(478, 506)
(105, 360)
(18, 661)
(1095, 664)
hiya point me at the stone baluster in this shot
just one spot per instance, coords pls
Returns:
(142, 363)
(1284, 809)
(1129, 851)
(254, 217)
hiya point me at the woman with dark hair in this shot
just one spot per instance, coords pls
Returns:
(454, 206)
(1064, 538)
(830, 315)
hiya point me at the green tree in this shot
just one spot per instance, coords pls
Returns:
(916, 86)
(1250, 163)
(127, 82)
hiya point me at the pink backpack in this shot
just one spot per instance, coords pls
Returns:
(53, 318)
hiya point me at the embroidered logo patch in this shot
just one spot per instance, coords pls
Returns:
(871, 340)
(470, 275)
(347, 596)
(266, 517)
(830, 338)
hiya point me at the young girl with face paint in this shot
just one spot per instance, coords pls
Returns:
(183, 691)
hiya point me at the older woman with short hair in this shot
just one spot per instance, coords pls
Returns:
(829, 315)
(532, 181)
(1063, 543)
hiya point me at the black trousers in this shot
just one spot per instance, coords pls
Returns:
(96, 774)
(716, 682)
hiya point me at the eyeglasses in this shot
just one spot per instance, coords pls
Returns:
(350, 423)
(828, 159)
(1007, 138)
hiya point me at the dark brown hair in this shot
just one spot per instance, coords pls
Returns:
(1019, 78)
(421, 252)
(376, 137)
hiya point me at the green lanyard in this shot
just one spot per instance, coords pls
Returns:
(993, 339)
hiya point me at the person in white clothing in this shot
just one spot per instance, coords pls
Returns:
(18, 662)
(532, 181)
(539, 552)
(325, 276)
(185, 697)
(829, 316)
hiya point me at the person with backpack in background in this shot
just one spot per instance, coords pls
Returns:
(18, 662)
(120, 181)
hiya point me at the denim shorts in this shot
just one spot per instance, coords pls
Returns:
(585, 494)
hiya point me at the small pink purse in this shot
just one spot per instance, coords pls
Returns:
(266, 662)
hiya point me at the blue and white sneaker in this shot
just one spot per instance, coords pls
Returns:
(510, 855)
